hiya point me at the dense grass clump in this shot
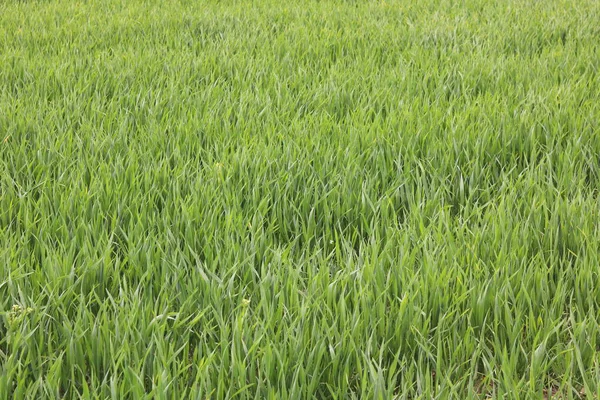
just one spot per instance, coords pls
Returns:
(371, 199)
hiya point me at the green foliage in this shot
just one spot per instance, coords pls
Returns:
(327, 199)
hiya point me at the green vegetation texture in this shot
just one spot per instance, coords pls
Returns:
(270, 200)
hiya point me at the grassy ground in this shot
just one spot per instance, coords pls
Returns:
(328, 199)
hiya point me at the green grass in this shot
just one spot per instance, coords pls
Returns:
(323, 200)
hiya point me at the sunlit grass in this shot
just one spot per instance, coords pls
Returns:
(317, 200)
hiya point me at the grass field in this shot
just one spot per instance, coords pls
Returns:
(330, 200)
